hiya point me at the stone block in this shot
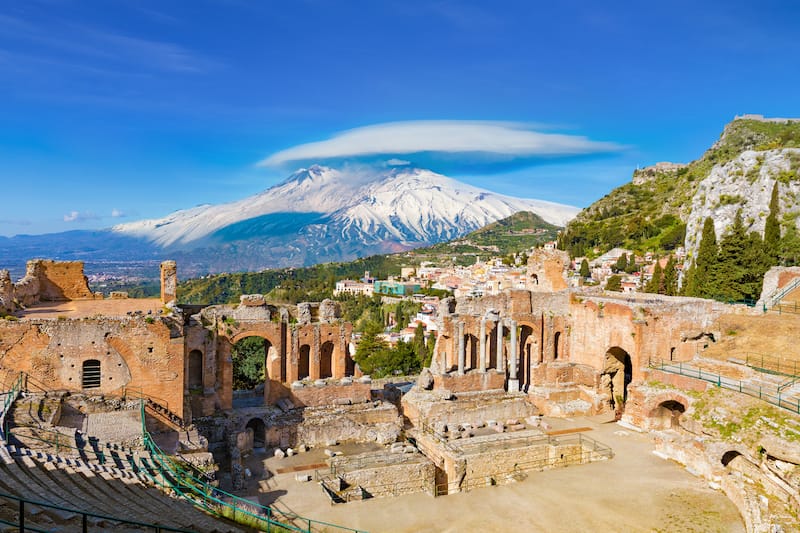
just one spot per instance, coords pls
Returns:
(279, 453)
(302, 478)
(289, 452)
(252, 300)
(319, 383)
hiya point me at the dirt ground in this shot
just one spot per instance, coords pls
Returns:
(635, 491)
(770, 334)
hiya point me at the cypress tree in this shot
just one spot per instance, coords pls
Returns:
(701, 281)
(584, 271)
(670, 278)
(772, 229)
(655, 285)
(614, 283)
(622, 263)
(728, 275)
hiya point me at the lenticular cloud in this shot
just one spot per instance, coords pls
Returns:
(505, 139)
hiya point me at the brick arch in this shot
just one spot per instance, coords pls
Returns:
(664, 410)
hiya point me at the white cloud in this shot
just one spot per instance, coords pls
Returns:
(77, 216)
(506, 139)
(117, 213)
(394, 162)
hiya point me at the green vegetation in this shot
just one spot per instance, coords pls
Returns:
(249, 363)
(376, 358)
(650, 215)
(614, 283)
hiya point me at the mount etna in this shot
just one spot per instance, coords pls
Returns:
(317, 214)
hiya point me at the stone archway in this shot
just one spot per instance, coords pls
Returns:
(194, 372)
(259, 432)
(326, 360)
(617, 375)
(667, 415)
(729, 457)
(304, 362)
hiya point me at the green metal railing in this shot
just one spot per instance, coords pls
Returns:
(772, 364)
(9, 399)
(168, 474)
(21, 504)
(771, 395)
(775, 299)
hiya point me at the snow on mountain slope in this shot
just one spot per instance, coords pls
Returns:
(405, 205)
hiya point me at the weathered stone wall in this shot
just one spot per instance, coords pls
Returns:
(333, 394)
(414, 474)
(472, 408)
(134, 353)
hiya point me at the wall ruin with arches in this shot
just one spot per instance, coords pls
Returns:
(567, 351)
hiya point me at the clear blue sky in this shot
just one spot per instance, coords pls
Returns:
(114, 110)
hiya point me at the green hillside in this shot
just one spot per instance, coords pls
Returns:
(649, 213)
(511, 235)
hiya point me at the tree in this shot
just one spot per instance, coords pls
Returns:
(249, 359)
(632, 266)
(670, 278)
(622, 263)
(699, 283)
(790, 246)
(727, 275)
(420, 347)
(584, 271)
(655, 285)
(772, 229)
(614, 283)
(370, 348)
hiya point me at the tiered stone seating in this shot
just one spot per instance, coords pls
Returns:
(96, 489)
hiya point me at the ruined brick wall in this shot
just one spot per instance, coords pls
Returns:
(547, 270)
(133, 352)
(62, 280)
(667, 328)
(6, 293)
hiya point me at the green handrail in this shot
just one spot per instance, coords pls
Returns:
(199, 493)
(10, 398)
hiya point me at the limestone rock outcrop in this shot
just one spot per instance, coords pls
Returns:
(744, 183)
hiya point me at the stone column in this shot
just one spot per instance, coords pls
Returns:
(462, 355)
(513, 381)
(482, 360)
(499, 328)
(169, 282)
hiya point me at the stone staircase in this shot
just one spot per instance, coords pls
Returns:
(99, 489)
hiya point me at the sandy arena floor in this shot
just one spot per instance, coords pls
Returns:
(635, 491)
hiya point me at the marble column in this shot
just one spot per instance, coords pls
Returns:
(482, 360)
(513, 381)
(462, 349)
(499, 328)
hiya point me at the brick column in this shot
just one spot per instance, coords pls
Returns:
(461, 349)
(513, 381)
(482, 360)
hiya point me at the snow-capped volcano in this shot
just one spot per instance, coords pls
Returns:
(408, 206)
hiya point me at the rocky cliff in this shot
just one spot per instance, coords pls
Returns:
(664, 205)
